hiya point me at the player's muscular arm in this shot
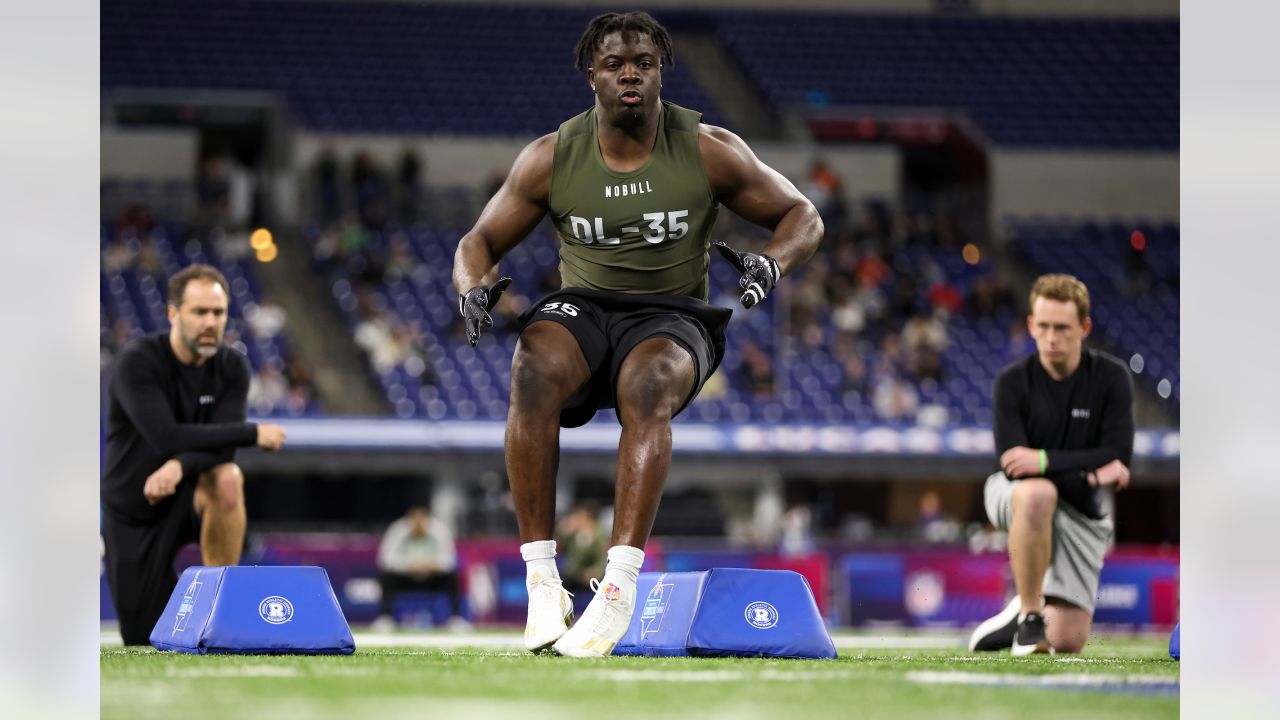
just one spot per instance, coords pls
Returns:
(760, 194)
(510, 215)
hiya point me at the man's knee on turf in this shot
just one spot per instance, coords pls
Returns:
(223, 487)
(651, 387)
(1035, 500)
(544, 372)
(1066, 626)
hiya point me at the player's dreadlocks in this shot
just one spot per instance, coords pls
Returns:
(637, 21)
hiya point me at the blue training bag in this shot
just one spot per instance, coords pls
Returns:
(726, 612)
(254, 610)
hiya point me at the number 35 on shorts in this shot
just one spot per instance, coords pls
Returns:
(560, 308)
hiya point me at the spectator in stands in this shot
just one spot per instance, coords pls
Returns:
(328, 187)
(213, 194)
(757, 369)
(409, 186)
(823, 189)
(924, 337)
(990, 297)
(582, 544)
(893, 398)
(933, 524)
(266, 319)
(371, 191)
(796, 531)
(1064, 435)
(135, 221)
(417, 553)
(268, 390)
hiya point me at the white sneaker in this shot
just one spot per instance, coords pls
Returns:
(550, 613)
(602, 625)
(383, 625)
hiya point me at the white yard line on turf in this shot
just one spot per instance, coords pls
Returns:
(1064, 680)
(236, 671)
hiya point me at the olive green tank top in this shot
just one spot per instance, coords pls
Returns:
(644, 232)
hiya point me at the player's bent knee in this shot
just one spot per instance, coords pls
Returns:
(228, 483)
(1035, 498)
(544, 372)
(653, 396)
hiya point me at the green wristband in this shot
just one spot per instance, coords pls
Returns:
(1044, 461)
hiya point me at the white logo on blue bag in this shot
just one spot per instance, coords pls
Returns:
(761, 615)
(188, 603)
(655, 608)
(276, 610)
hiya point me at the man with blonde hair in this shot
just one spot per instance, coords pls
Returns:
(1064, 434)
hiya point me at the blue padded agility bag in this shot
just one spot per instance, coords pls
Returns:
(254, 610)
(726, 612)
(1175, 642)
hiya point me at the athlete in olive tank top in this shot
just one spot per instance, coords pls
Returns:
(632, 185)
(645, 231)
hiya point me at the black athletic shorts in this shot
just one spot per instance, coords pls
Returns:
(609, 325)
(139, 561)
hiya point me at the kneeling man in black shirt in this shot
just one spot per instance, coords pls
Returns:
(1064, 435)
(175, 418)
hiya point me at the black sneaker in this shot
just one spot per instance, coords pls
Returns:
(997, 631)
(1030, 637)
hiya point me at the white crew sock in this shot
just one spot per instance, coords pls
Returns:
(624, 563)
(539, 561)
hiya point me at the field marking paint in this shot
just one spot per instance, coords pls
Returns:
(241, 671)
(717, 676)
(1099, 681)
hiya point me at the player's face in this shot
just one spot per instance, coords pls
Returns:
(627, 76)
(1057, 330)
(202, 317)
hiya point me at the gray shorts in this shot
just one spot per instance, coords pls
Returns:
(1079, 544)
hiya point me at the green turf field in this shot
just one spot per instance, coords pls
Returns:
(1114, 679)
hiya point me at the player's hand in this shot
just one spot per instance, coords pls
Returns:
(1020, 462)
(759, 273)
(1113, 473)
(270, 436)
(476, 304)
(163, 482)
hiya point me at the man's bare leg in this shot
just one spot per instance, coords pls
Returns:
(1066, 625)
(219, 500)
(654, 380)
(1031, 539)
(548, 368)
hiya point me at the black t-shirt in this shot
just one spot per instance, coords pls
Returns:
(160, 409)
(1082, 422)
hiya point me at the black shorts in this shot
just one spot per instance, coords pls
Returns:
(139, 561)
(608, 326)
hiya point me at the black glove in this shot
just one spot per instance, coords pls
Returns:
(759, 273)
(476, 304)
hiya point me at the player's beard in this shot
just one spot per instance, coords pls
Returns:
(630, 117)
(204, 351)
